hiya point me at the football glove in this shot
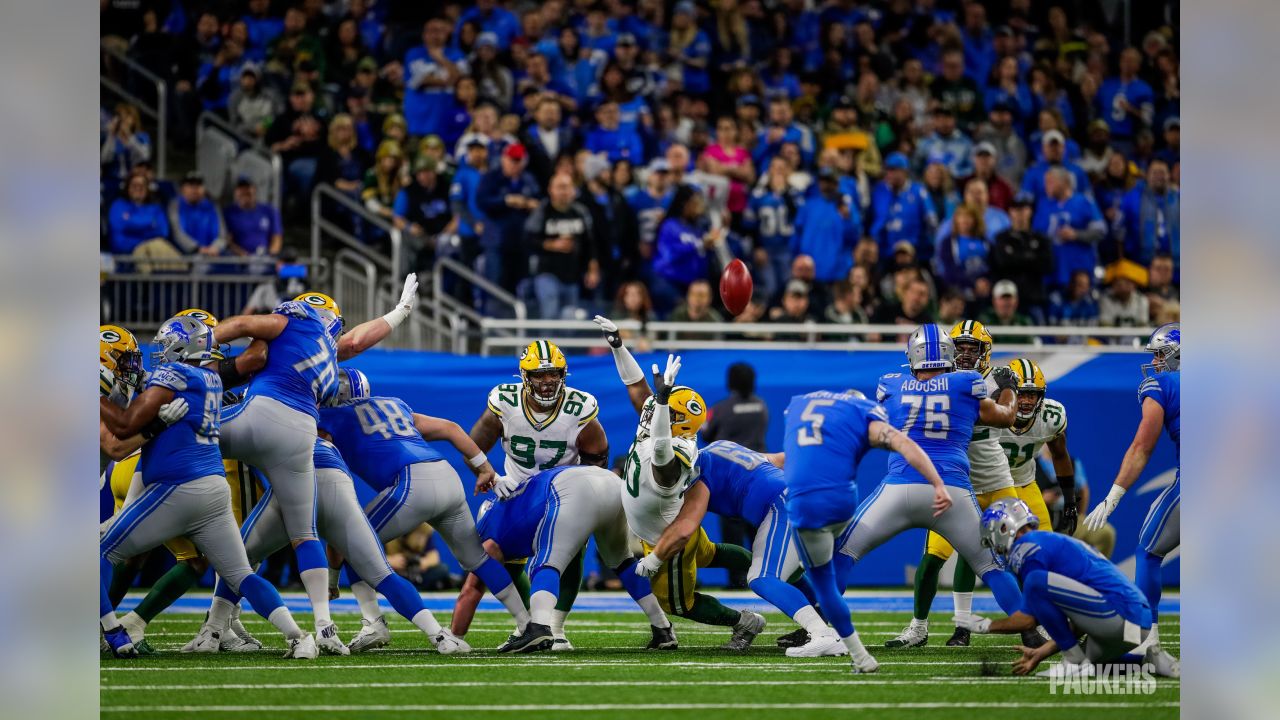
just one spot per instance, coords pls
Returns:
(1096, 519)
(505, 487)
(173, 411)
(1005, 379)
(665, 381)
(609, 329)
(649, 566)
(972, 623)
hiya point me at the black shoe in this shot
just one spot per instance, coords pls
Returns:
(663, 638)
(795, 638)
(959, 638)
(1032, 639)
(534, 639)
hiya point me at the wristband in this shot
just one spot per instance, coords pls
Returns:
(227, 372)
(153, 428)
(478, 460)
(396, 316)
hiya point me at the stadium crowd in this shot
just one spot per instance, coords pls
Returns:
(892, 161)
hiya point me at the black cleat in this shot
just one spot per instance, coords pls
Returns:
(535, 638)
(795, 638)
(663, 638)
(959, 638)
(1032, 639)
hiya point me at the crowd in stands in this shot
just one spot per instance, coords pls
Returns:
(890, 161)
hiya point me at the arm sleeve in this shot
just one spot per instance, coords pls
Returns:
(663, 452)
(628, 369)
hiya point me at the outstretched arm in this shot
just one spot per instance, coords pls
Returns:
(367, 334)
(666, 466)
(433, 428)
(998, 413)
(1135, 461)
(884, 435)
(261, 327)
(628, 369)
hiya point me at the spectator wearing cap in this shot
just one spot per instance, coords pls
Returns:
(1023, 256)
(680, 251)
(642, 80)
(901, 210)
(296, 46)
(961, 261)
(609, 138)
(1049, 119)
(492, 17)
(547, 138)
(1011, 152)
(506, 197)
(422, 212)
(560, 239)
(1004, 313)
(985, 163)
(136, 219)
(298, 135)
(493, 78)
(195, 220)
(957, 91)
(1126, 101)
(946, 140)
(253, 228)
(690, 48)
(793, 309)
(648, 205)
(1054, 145)
(252, 106)
(1171, 153)
(727, 158)
(780, 130)
(1149, 213)
(431, 69)
(828, 226)
(770, 219)
(1123, 305)
(1074, 224)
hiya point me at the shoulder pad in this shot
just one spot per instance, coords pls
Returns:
(293, 308)
(686, 451)
(1056, 418)
(168, 376)
(877, 412)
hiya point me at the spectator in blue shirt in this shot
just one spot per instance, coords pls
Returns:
(506, 196)
(262, 26)
(1007, 87)
(1074, 224)
(901, 211)
(978, 42)
(492, 17)
(253, 228)
(195, 220)
(1126, 101)
(137, 219)
(608, 138)
(828, 226)
(782, 129)
(215, 80)
(770, 217)
(430, 71)
(124, 145)
(680, 252)
(462, 194)
(1054, 145)
(1149, 218)
(946, 140)
(691, 48)
(1075, 306)
(962, 256)
(976, 196)
(777, 76)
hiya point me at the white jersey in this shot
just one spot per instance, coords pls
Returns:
(1022, 447)
(534, 440)
(649, 507)
(988, 466)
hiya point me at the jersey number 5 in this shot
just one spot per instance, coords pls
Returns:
(812, 434)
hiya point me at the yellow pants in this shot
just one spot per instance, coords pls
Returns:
(1031, 495)
(675, 582)
(937, 546)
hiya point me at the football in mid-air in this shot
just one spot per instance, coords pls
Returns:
(736, 287)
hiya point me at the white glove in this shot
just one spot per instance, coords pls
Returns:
(972, 623)
(1096, 519)
(610, 330)
(649, 566)
(505, 487)
(408, 300)
(173, 411)
(664, 383)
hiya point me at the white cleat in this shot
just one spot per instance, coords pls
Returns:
(560, 643)
(449, 644)
(1065, 669)
(825, 645)
(915, 635)
(328, 641)
(236, 638)
(1164, 664)
(864, 665)
(208, 640)
(373, 634)
(303, 648)
(135, 626)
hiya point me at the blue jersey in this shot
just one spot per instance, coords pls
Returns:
(1163, 387)
(513, 523)
(188, 449)
(743, 483)
(939, 414)
(826, 437)
(1065, 555)
(771, 216)
(302, 362)
(327, 457)
(377, 437)
(649, 212)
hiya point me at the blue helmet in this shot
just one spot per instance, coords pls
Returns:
(352, 385)
(931, 348)
(1002, 521)
(1165, 347)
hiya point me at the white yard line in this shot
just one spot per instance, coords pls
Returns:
(347, 709)
(552, 662)
(584, 683)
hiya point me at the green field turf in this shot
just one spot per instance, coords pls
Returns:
(609, 675)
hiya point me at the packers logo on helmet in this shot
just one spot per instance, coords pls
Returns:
(973, 345)
(1031, 388)
(203, 316)
(688, 412)
(328, 308)
(543, 370)
(118, 351)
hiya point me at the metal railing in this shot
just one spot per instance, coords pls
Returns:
(507, 334)
(244, 144)
(355, 281)
(322, 227)
(157, 112)
(497, 293)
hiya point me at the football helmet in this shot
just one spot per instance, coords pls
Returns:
(183, 339)
(1165, 347)
(1031, 385)
(929, 348)
(688, 413)
(352, 385)
(543, 370)
(1002, 521)
(328, 309)
(210, 320)
(118, 351)
(973, 345)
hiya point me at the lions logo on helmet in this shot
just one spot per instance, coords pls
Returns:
(1031, 388)
(688, 413)
(118, 352)
(328, 309)
(543, 370)
(1002, 522)
(210, 320)
(929, 348)
(183, 339)
(1165, 347)
(973, 345)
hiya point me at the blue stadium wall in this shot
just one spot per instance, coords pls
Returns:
(1100, 395)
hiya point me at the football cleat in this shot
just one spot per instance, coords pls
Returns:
(915, 635)
(1032, 638)
(1164, 664)
(144, 648)
(959, 638)
(795, 638)
(208, 640)
(535, 638)
(745, 631)
(238, 639)
(302, 648)
(561, 643)
(373, 634)
(119, 642)
(328, 641)
(449, 644)
(864, 665)
(826, 645)
(663, 638)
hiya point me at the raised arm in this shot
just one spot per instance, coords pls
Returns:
(1003, 410)
(367, 334)
(433, 428)
(883, 435)
(259, 327)
(666, 466)
(1135, 461)
(628, 369)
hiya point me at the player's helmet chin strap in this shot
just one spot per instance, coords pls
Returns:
(545, 403)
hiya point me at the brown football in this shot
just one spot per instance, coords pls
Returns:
(736, 287)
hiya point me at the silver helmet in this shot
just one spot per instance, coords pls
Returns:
(931, 348)
(352, 385)
(1165, 347)
(183, 339)
(1002, 521)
